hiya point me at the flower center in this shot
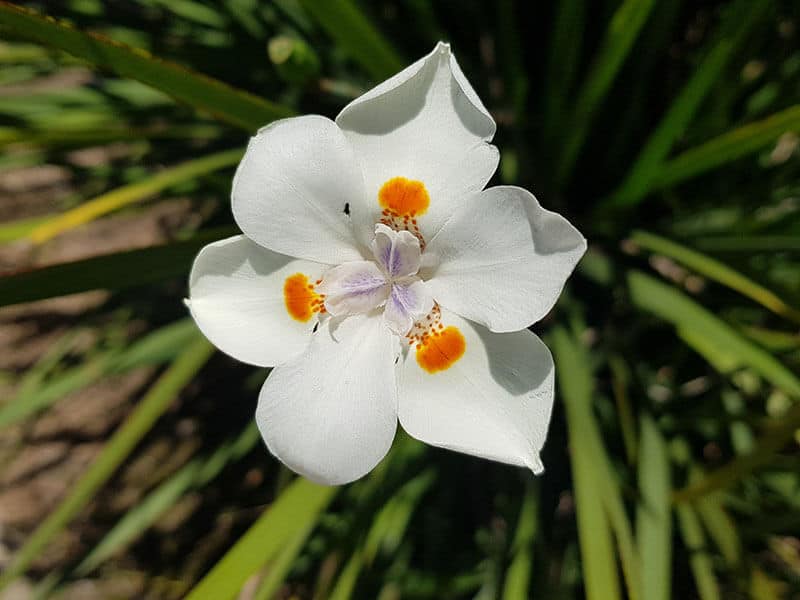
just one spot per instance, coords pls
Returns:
(389, 282)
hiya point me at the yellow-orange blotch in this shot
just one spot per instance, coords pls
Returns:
(404, 197)
(441, 350)
(300, 298)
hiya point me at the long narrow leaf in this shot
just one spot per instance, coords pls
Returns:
(597, 550)
(727, 148)
(518, 576)
(158, 347)
(279, 568)
(297, 508)
(719, 338)
(386, 532)
(699, 560)
(776, 435)
(622, 31)
(717, 271)
(738, 21)
(653, 518)
(152, 406)
(15, 230)
(721, 528)
(228, 104)
(192, 475)
(344, 22)
(116, 271)
(134, 192)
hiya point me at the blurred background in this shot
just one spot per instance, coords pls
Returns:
(667, 131)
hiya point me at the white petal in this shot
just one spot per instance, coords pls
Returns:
(354, 287)
(330, 414)
(493, 402)
(291, 188)
(406, 304)
(236, 291)
(425, 124)
(397, 252)
(502, 259)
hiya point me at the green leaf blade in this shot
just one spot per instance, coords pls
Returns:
(344, 22)
(737, 23)
(293, 511)
(236, 107)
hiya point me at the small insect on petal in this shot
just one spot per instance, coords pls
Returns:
(300, 298)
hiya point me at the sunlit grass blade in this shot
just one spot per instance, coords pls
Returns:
(609, 494)
(32, 380)
(653, 516)
(278, 569)
(296, 509)
(518, 576)
(192, 475)
(155, 348)
(775, 341)
(621, 33)
(116, 271)
(353, 32)
(739, 19)
(391, 521)
(620, 524)
(194, 11)
(727, 147)
(151, 407)
(385, 533)
(766, 587)
(720, 343)
(22, 53)
(699, 560)
(134, 192)
(224, 102)
(717, 271)
(594, 530)
(346, 582)
(776, 434)
(721, 528)
(15, 230)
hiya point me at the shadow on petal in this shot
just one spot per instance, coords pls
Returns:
(516, 373)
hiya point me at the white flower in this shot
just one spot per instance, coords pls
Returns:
(382, 281)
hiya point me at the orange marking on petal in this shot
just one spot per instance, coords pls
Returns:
(442, 350)
(404, 197)
(300, 298)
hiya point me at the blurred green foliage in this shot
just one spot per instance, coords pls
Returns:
(667, 131)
